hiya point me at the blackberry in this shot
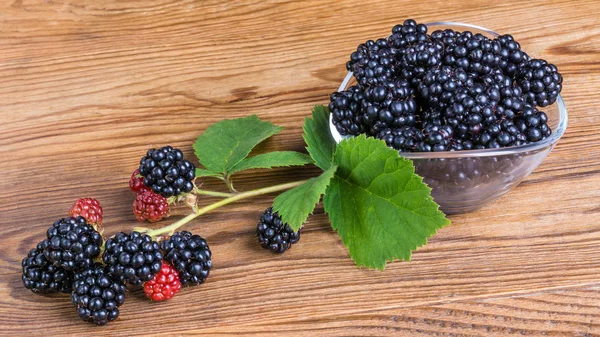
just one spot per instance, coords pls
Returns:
(446, 37)
(511, 55)
(97, 295)
(417, 59)
(437, 138)
(273, 234)
(403, 139)
(408, 34)
(166, 172)
(471, 108)
(41, 276)
(533, 123)
(133, 258)
(474, 53)
(373, 62)
(540, 81)
(389, 105)
(345, 108)
(438, 87)
(190, 256)
(72, 244)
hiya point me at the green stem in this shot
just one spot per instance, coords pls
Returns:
(265, 190)
(214, 193)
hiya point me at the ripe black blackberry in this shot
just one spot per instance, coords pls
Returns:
(346, 110)
(540, 81)
(533, 123)
(417, 59)
(72, 243)
(273, 234)
(97, 295)
(408, 34)
(373, 62)
(133, 258)
(471, 108)
(511, 55)
(474, 53)
(446, 37)
(403, 139)
(166, 172)
(389, 105)
(190, 256)
(41, 276)
(438, 87)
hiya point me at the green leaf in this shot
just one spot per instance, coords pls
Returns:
(381, 209)
(226, 143)
(206, 173)
(272, 159)
(320, 143)
(295, 205)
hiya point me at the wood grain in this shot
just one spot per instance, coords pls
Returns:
(87, 86)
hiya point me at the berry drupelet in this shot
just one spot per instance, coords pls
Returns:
(273, 234)
(133, 258)
(166, 172)
(97, 295)
(345, 108)
(41, 276)
(540, 81)
(190, 255)
(72, 244)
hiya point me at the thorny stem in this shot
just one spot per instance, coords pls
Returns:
(233, 198)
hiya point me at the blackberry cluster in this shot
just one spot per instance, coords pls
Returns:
(190, 256)
(446, 91)
(273, 234)
(97, 295)
(72, 244)
(133, 258)
(166, 172)
(41, 276)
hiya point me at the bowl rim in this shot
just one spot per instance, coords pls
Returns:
(533, 147)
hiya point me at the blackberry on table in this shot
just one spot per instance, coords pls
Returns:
(133, 258)
(540, 81)
(390, 104)
(166, 172)
(190, 256)
(97, 295)
(273, 234)
(72, 243)
(346, 110)
(373, 62)
(41, 276)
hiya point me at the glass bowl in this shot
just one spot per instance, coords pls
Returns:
(463, 181)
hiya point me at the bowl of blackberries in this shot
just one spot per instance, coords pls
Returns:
(474, 112)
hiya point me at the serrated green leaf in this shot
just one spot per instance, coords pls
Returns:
(381, 209)
(272, 159)
(317, 136)
(295, 205)
(206, 173)
(226, 143)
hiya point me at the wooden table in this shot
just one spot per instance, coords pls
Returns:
(87, 87)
